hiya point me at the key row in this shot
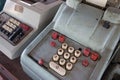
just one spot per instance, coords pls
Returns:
(60, 70)
(56, 35)
(66, 55)
(7, 28)
(14, 21)
(86, 51)
(93, 55)
(62, 61)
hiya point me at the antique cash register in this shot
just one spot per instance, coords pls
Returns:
(21, 21)
(78, 44)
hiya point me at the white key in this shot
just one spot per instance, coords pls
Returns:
(73, 59)
(62, 62)
(11, 19)
(17, 23)
(4, 26)
(55, 57)
(9, 29)
(69, 66)
(66, 55)
(11, 25)
(71, 49)
(8, 23)
(64, 45)
(14, 26)
(77, 53)
(60, 51)
(57, 68)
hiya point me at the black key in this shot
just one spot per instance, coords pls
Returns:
(15, 33)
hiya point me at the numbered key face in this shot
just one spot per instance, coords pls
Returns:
(66, 55)
(55, 57)
(60, 51)
(70, 49)
(69, 66)
(62, 62)
(73, 59)
(77, 53)
(64, 45)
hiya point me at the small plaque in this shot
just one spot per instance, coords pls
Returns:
(19, 8)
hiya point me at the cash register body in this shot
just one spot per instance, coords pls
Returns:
(37, 15)
(82, 24)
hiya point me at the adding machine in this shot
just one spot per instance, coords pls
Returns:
(21, 21)
(78, 44)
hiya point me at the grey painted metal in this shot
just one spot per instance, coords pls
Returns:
(69, 21)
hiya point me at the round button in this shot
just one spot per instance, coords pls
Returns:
(69, 66)
(62, 62)
(61, 38)
(11, 19)
(60, 51)
(66, 55)
(64, 45)
(94, 56)
(41, 62)
(54, 35)
(8, 23)
(85, 63)
(52, 43)
(14, 26)
(55, 57)
(17, 23)
(77, 53)
(86, 52)
(70, 49)
(73, 59)
(24, 27)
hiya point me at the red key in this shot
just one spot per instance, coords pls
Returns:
(94, 56)
(53, 44)
(41, 62)
(54, 35)
(86, 52)
(85, 63)
(61, 38)
(25, 27)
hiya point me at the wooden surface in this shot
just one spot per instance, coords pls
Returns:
(14, 67)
